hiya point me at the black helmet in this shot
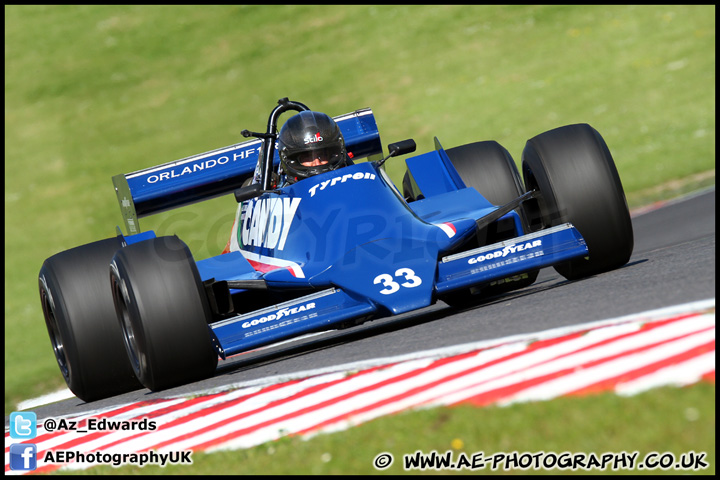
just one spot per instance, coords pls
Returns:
(306, 136)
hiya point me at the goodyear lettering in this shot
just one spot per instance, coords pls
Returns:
(505, 251)
(266, 221)
(207, 164)
(341, 179)
(284, 312)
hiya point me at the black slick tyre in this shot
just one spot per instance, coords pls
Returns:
(577, 177)
(80, 318)
(163, 313)
(490, 169)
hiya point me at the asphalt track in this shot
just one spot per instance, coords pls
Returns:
(673, 262)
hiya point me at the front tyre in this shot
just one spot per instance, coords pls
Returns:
(490, 169)
(576, 175)
(80, 318)
(163, 313)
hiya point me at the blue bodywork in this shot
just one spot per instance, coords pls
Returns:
(346, 239)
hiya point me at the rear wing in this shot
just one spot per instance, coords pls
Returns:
(220, 172)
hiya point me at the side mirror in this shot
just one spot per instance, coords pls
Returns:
(246, 193)
(402, 147)
(398, 148)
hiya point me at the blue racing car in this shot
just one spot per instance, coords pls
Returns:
(329, 251)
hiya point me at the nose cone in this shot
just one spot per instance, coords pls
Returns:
(392, 275)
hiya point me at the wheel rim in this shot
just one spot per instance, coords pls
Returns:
(48, 306)
(120, 296)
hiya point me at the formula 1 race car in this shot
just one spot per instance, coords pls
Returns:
(327, 252)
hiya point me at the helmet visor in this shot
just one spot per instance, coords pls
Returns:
(314, 158)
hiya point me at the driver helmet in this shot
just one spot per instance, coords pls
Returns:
(310, 143)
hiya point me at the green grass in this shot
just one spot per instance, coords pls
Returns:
(92, 91)
(576, 425)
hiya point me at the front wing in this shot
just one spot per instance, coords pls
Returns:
(330, 307)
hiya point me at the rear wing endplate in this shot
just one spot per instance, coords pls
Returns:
(219, 172)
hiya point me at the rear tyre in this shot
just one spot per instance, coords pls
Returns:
(81, 321)
(163, 313)
(490, 169)
(576, 175)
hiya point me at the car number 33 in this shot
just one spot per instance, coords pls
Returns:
(391, 286)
